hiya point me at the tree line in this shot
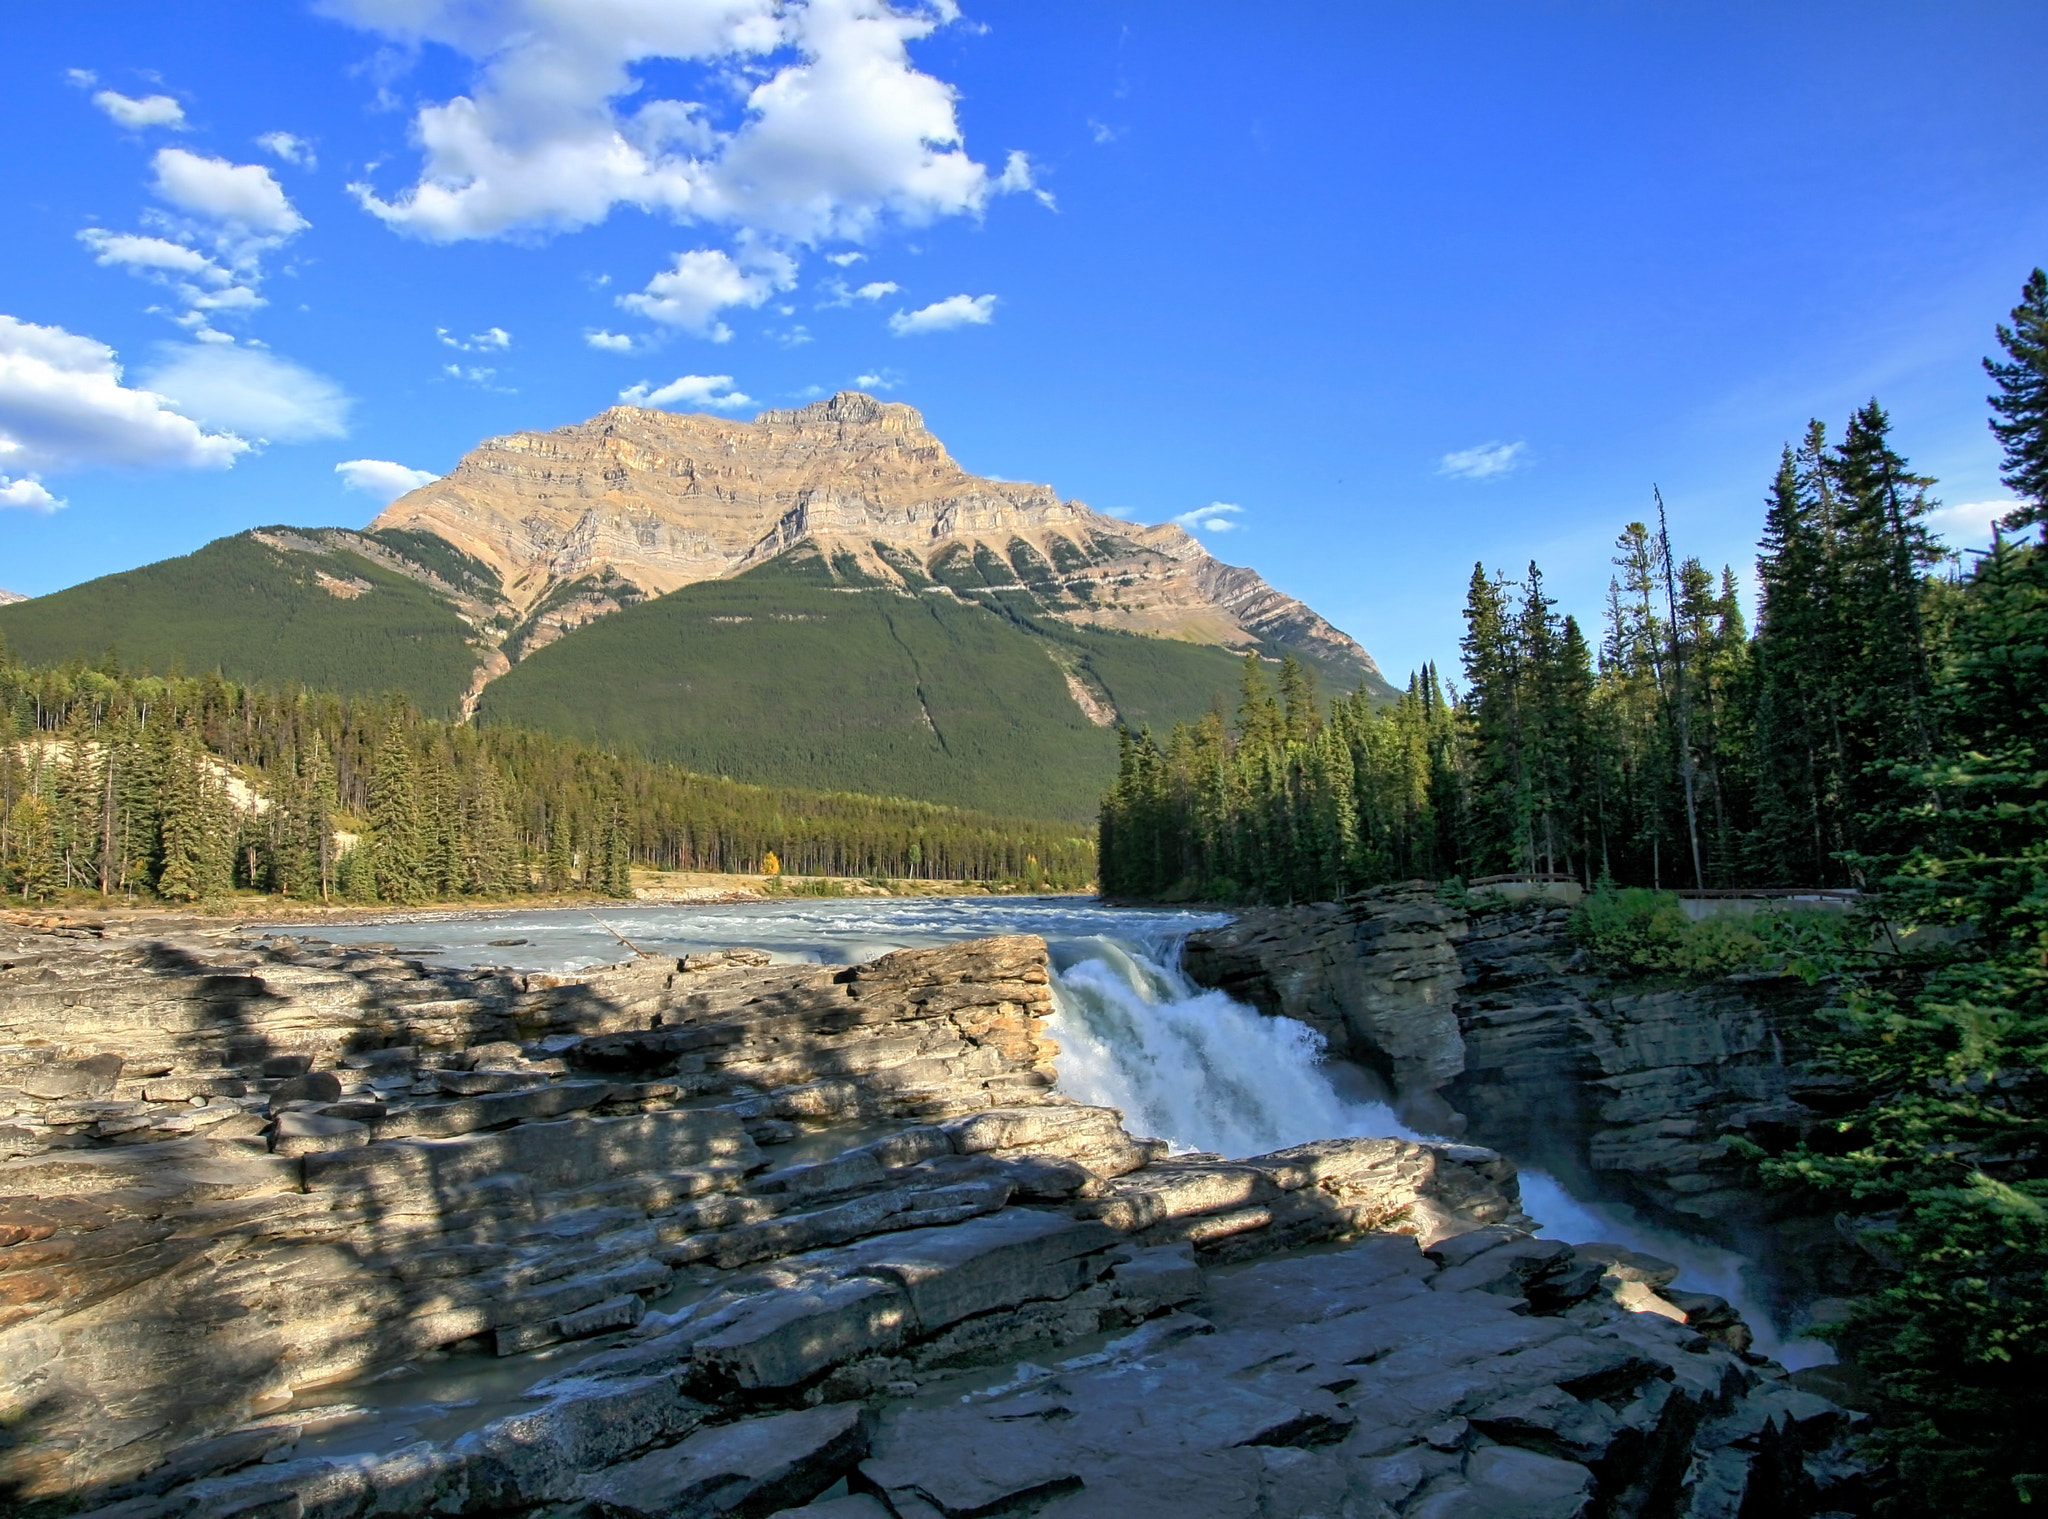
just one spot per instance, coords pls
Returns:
(178, 788)
(1677, 751)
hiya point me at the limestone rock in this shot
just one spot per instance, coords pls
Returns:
(643, 501)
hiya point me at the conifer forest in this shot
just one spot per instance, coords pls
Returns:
(1884, 727)
(190, 788)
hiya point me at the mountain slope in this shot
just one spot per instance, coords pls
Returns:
(794, 674)
(332, 609)
(655, 501)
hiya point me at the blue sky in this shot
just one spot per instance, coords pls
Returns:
(1403, 286)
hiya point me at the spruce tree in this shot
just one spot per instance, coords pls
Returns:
(398, 843)
(2021, 423)
(185, 871)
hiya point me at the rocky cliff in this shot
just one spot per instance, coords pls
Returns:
(651, 500)
(1489, 1022)
(742, 1235)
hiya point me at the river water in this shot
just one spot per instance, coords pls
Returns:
(1185, 1064)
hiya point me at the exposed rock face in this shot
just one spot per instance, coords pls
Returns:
(7, 596)
(239, 1173)
(1636, 1091)
(637, 502)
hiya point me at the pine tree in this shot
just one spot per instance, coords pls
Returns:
(398, 843)
(2021, 424)
(186, 870)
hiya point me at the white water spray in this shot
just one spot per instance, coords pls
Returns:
(1193, 1067)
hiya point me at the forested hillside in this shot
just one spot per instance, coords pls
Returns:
(185, 789)
(1887, 727)
(806, 674)
(278, 606)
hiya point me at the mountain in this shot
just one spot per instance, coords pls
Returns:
(635, 503)
(7, 596)
(820, 597)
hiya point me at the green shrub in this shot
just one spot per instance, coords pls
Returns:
(1639, 932)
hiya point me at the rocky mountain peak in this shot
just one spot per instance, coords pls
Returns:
(636, 502)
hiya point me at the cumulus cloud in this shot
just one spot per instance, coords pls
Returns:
(252, 392)
(706, 281)
(942, 316)
(1485, 461)
(881, 379)
(1216, 517)
(835, 131)
(212, 255)
(1968, 524)
(246, 195)
(490, 338)
(149, 111)
(28, 494)
(62, 405)
(609, 342)
(292, 149)
(845, 260)
(382, 479)
(713, 390)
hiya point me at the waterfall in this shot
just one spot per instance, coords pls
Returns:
(1193, 1067)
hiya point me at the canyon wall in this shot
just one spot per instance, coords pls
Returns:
(1485, 1020)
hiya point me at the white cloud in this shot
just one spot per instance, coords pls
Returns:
(1017, 177)
(941, 316)
(62, 404)
(1216, 517)
(141, 254)
(245, 195)
(1968, 524)
(1102, 132)
(476, 374)
(882, 379)
(845, 260)
(85, 79)
(1485, 461)
(837, 294)
(28, 494)
(713, 390)
(149, 111)
(289, 147)
(609, 342)
(490, 338)
(382, 479)
(704, 282)
(252, 392)
(824, 144)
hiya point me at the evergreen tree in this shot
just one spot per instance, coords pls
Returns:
(2021, 423)
(186, 870)
(398, 834)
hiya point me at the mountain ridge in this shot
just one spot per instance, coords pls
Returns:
(661, 500)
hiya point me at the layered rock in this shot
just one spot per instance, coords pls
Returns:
(636, 502)
(240, 1173)
(1489, 1017)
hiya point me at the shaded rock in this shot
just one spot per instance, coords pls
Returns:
(755, 1467)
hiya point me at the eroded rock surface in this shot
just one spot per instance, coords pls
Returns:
(1492, 1014)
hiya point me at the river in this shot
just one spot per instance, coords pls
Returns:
(1185, 1064)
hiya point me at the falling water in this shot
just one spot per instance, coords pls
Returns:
(1193, 1067)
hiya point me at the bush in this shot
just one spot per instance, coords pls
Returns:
(1639, 932)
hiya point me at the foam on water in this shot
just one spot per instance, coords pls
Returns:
(1189, 1066)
